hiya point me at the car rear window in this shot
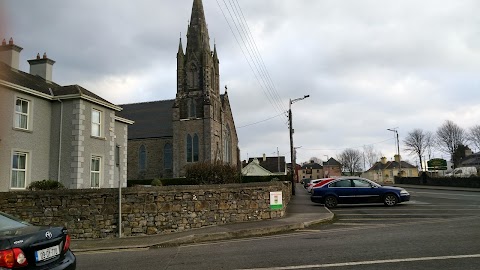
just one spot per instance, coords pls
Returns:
(9, 222)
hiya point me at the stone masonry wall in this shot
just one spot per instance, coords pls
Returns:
(93, 213)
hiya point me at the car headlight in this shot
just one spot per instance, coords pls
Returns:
(404, 192)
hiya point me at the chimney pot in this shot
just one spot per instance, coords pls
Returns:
(38, 55)
(44, 55)
(4, 42)
(10, 42)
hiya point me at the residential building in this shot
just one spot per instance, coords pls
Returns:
(332, 168)
(49, 131)
(384, 171)
(310, 170)
(263, 166)
(196, 126)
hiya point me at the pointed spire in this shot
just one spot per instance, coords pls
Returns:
(198, 38)
(180, 47)
(215, 56)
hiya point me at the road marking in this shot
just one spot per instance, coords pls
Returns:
(448, 194)
(368, 262)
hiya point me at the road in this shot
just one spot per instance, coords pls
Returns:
(436, 230)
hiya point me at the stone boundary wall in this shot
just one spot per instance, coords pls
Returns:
(93, 213)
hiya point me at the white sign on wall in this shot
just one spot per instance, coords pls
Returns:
(276, 201)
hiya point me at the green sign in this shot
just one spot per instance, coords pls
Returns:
(437, 164)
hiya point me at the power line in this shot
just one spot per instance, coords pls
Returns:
(338, 149)
(261, 121)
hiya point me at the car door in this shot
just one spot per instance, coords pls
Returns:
(365, 192)
(344, 190)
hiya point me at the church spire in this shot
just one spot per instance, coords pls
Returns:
(198, 39)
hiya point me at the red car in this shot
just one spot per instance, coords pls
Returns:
(318, 183)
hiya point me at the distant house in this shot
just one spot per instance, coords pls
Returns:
(332, 168)
(49, 131)
(311, 170)
(384, 171)
(263, 166)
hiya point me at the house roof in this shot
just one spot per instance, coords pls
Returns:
(152, 119)
(271, 163)
(390, 165)
(332, 162)
(40, 85)
(471, 160)
(312, 165)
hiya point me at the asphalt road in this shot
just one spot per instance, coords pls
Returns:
(436, 230)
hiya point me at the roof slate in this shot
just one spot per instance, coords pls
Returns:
(271, 163)
(152, 119)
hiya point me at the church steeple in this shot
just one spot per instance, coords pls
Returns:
(197, 36)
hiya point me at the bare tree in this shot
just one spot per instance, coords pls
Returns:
(449, 137)
(370, 156)
(351, 160)
(417, 143)
(474, 136)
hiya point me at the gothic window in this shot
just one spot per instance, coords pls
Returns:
(228, 146)
(192, 148)
(167, 157)
(142, 158)
(192, 76)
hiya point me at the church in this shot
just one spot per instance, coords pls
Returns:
(196, 126)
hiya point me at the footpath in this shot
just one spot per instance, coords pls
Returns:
(300, 213)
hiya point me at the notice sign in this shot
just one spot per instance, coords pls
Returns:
(276, 201)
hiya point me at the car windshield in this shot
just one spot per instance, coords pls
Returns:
(8, 222)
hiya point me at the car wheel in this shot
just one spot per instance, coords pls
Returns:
(331, 201)
(390, 199)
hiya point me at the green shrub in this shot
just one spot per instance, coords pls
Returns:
(204, 173)
(46, 185)
(156, 182)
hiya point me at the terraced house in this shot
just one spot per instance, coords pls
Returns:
(49, 131)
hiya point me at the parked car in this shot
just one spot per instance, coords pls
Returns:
(25, 246)
(349, 190)
(318, 183)
(305, 182)
(463, 172)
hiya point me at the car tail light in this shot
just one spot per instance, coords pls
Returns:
(67, 243)
(12, 258)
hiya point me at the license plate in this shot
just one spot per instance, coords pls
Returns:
(47, 253)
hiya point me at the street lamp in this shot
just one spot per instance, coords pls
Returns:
(398, 150)
(292, 156)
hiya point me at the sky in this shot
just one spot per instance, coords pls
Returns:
(367, 66)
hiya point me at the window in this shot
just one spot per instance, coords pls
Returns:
(228, 146)
(341, 183)
(167, 157)
(21, 113)
(95, 172)
(192, 148)
(361, 183)
(142, 158)
(96, 123)
(19, 170)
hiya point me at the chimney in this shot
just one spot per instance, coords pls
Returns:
(383, 160)
(264, 157)
(10, 53)
(42, 67)
(397, 158)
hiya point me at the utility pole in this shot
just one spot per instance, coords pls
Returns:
(290, 127)
(398, 150)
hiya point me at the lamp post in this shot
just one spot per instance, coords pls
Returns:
(292, 156)
(398, 150)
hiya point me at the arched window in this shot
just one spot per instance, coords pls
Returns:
(142, 158)
(167, 157)
(195, 148)
(192, 148)
(227, 146)
(189, 148)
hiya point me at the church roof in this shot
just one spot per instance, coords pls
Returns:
(152, 119)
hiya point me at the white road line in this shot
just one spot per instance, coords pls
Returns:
(448, 194)
(368, 262)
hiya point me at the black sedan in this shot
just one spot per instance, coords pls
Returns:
(350, 190)
(24, 246)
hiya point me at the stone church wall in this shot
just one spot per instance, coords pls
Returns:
(93, 213)
(154, 159)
